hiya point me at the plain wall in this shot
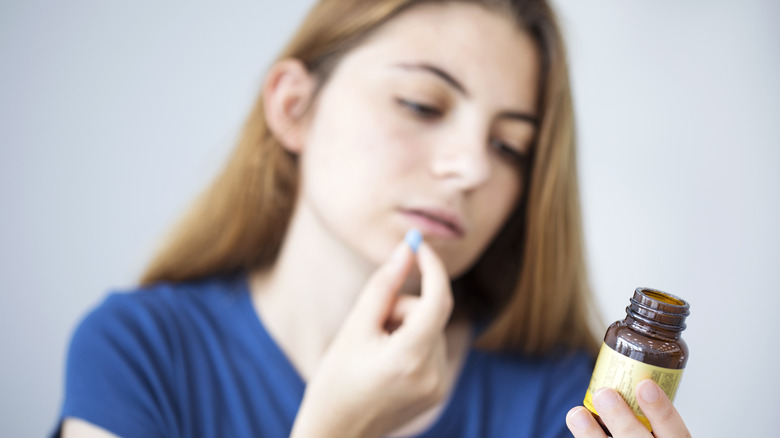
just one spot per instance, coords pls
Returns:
(114, 115)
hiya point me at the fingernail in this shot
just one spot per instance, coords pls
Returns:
(648, 392)
(605, 399)
(581, 419)
(413, 238)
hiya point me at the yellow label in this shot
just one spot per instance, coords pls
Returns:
(621, 373)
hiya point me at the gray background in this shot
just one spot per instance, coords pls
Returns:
(113, 115)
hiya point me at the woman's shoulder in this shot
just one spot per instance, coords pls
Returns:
(155, 312)
(164, 298)
(130, 357)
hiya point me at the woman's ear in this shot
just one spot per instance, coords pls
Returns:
(287, 94)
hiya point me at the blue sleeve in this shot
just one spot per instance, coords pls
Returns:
(118, 370)
(568, 380)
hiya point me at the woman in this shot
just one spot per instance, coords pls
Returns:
(287, 302)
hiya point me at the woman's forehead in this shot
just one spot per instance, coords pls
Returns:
(485, 51)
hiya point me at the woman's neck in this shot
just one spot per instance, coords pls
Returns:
(304, 297)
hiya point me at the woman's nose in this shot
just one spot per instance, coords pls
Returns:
(462, 160)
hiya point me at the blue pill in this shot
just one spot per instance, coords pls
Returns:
(413, 238)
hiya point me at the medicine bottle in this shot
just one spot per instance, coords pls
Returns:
(645, 345)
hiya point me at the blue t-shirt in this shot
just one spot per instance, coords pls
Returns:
(194, 360)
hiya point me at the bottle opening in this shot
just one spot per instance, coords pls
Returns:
(663, 297)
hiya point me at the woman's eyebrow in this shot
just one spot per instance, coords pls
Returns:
(449, 79)
(440, 73)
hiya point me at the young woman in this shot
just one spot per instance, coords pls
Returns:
(288, 303)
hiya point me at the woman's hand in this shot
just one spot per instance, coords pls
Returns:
(388, 361)
(620, 419)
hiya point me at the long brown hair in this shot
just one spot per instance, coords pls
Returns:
(530, 285)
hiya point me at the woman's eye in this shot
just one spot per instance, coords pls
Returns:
(507, 151)
(420, 109)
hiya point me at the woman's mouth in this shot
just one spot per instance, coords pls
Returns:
(435, 223)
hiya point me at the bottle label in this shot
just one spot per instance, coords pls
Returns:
(622, 374)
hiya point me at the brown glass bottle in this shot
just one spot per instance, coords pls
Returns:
(645, 345)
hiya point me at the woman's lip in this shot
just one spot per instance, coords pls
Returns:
(434, 224)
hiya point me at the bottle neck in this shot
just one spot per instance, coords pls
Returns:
(657, 313)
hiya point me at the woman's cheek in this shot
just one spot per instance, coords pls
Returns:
(393, 147)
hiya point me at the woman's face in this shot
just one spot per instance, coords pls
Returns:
(426, 124)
